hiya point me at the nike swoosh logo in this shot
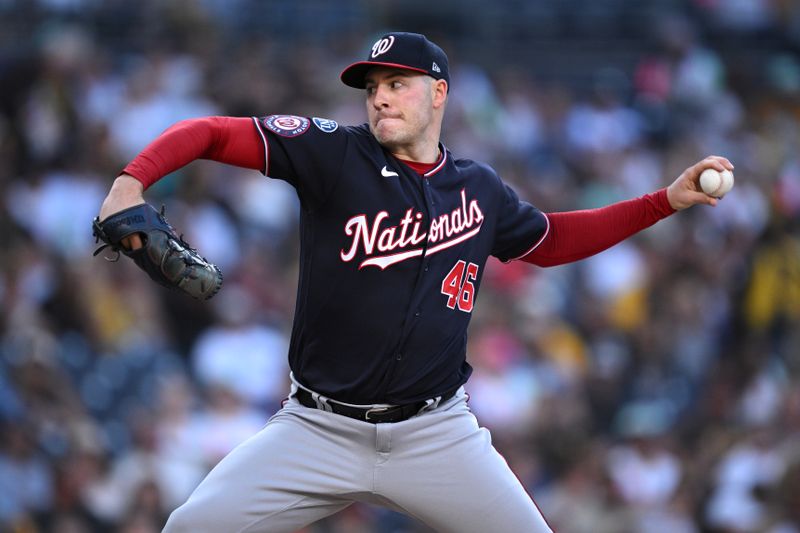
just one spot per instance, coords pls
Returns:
(386, 173)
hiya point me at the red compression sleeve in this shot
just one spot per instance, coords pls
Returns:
(231, 140)
(575, 235)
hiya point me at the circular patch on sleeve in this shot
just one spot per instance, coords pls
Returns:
(286, 125)
(325, 124)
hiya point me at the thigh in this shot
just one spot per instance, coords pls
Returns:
(444, 470)
(301, 467)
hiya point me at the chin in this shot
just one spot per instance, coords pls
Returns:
(384, 137)
(389, 136)
(388, 130)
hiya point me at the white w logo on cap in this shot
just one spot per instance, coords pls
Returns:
(382, 46)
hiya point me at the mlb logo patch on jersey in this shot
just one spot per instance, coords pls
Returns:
(325, 124)
(286, 125)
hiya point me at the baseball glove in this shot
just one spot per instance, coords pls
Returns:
(167, 258)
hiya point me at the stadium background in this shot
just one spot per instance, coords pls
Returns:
(655, 387)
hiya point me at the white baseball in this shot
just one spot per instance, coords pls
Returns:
(715, 183)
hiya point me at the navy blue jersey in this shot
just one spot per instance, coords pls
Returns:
(391, 261)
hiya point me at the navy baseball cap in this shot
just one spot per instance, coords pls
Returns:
(411, 51)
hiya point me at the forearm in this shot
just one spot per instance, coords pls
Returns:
(231, 140)
(575, 235)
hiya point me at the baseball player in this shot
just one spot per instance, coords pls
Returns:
(395, 232)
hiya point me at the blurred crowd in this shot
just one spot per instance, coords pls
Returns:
(652, 388)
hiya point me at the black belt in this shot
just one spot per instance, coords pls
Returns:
(373, 415)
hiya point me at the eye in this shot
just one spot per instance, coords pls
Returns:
(396, 84)
(370, 90)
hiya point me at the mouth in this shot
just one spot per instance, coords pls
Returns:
(381, 118)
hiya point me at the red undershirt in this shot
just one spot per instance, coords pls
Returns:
(572, 235)
(420, 168)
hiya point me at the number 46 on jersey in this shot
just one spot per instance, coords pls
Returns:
(458, 287)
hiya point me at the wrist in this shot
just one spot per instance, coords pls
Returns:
(126, 191)
(125, 183)
(665, 201)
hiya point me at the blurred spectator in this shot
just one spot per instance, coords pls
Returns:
(26, 480)
(743, 478)
(583, 500)
(603, 123)
(161, 90)
(226, 421)
(141, 481)
(38, 206)
(505, 390)
(240, 353)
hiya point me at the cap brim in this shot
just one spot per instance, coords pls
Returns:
(354, 74)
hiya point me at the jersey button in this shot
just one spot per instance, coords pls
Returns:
(399, 357)
(417, 314)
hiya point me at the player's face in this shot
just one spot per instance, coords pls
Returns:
(400, 107)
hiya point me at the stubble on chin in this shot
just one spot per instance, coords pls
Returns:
(385, 136)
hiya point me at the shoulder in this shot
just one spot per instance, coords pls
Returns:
(477, 169)
(307, 135)
(361, 130)
(289, 126)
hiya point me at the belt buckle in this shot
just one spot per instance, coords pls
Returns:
(375, 410)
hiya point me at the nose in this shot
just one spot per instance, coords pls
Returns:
(379, 97)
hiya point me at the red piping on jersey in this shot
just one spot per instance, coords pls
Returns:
(438, 167)
(536, 245)
(266, 147)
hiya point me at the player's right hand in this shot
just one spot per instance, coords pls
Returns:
(685, 191)
(126, 192)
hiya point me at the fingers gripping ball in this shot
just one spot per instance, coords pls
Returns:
(167, 258)
(715, 183)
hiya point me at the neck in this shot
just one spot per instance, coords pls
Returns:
(427, 154)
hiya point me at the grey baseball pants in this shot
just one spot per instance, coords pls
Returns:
(305, 464)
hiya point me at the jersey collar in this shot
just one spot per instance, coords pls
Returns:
(438, 165)
(428, 169)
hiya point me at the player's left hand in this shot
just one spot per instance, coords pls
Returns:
(165, 257)
(686, 192)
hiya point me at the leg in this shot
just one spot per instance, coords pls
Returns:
(300, 468)
(444, 470)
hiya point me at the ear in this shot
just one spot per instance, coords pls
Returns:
(439, 89)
